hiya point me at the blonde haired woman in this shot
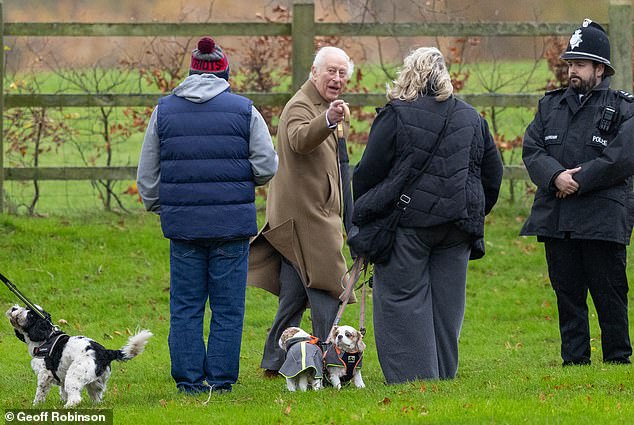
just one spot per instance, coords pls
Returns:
(419, 293)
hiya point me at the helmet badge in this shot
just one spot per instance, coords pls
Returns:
(575, 40)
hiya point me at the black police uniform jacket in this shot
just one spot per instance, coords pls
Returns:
(566, 134)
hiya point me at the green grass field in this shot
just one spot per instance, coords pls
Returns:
(107, 274)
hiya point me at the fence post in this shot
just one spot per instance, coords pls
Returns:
(303, 37)
(620, 26)
(1, 107)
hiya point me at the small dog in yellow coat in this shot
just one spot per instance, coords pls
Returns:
(303, 366)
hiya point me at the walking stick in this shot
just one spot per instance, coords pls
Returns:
(344, 170)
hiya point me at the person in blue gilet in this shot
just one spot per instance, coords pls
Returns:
(205, 150)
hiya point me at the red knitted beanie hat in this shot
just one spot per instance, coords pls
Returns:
(209, 58)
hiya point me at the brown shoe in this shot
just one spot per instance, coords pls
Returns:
(271, 373)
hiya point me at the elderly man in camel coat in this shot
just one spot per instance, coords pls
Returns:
(298, 253)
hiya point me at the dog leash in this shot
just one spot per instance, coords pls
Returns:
(362, 307)
(25, 300)
(353, 275)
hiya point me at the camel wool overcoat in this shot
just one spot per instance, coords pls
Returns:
(303, 210)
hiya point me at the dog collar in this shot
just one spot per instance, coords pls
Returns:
(309, 339)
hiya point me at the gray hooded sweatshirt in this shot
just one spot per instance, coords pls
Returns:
(199, 88)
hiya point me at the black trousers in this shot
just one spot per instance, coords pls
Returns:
(576, 266)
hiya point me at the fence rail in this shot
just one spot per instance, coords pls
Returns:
(302, 30)
(261, 99)
(516, 172)
(146, 29)
(70, 173)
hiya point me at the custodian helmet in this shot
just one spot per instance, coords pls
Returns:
(590, 42)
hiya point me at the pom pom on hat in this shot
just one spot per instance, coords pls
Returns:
(206, 45)
(208, 58)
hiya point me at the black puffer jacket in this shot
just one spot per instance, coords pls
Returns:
(462, 182)
(565, 134)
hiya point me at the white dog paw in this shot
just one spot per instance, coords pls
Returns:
(71, 403)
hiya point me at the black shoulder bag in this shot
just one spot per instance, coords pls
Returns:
(374, 239)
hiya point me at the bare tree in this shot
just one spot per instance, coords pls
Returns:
(30, 132)
(97, 140)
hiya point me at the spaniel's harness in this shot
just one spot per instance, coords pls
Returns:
(45, 351)
(337, 358)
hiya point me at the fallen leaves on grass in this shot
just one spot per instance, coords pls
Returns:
(287, 410)
(544, 397)
(510, 346)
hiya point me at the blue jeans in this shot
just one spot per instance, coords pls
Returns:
(199, 271)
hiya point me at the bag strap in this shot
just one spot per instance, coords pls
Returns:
(404, 199)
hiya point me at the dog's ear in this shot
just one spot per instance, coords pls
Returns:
(37, 328)
(286, 335)
(19, 335)
(333, 334)
(282, 342)
(360, 343)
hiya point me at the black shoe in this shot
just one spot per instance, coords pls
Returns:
(271, 373)
(220, 390)
(618, 361)
(194, 390)
(576, 363)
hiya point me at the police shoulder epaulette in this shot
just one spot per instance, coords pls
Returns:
(625, 95)
(555, 91)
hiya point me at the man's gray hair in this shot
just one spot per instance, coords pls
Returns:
(320, 58)
(424, 73)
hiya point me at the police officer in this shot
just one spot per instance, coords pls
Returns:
(579, 151)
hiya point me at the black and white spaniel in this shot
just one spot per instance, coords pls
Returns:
(72, 362)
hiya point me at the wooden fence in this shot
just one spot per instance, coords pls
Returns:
(302, 29)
